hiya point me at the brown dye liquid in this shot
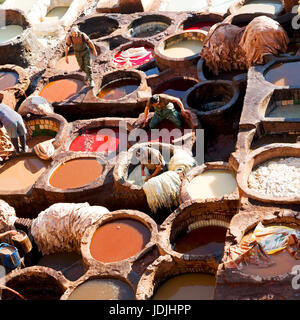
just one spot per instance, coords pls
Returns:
(69, 263)
(189, 286)
(118, 89)
(71, 66)
(59, 90)
(284, 263)
(36, 140)
(8, 80)
(284, 74)
(102, 289)
(19, 174)
(76, 173)
(119, 240)
(202, 241)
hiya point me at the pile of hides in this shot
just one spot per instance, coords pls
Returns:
(7, 219)
(60, 227)
(45, 150)
(228, 47)
(35, 105)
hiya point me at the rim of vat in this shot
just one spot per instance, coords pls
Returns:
(71, 76)
(135, 215)
(262, 108)
(259, 156)
(151, 17)
(236, 5)
(167, 267)
(23, 78)
(194, 18)
(108, 78)
(286, 217)
(79, 127)
(133, 43)
(262, 70)
(95, 274)
(201, 65)
(63, 130)
(22, 22)
(158, 50)
(228, 105)
(86, 21)
(39, 271)
(207, 166)
(27, 190)
(44, 181)
(197, 214)
(125, 158)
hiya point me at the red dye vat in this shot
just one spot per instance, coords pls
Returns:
(60, 90)
(206, 25)
(97, 140)
(132, 57)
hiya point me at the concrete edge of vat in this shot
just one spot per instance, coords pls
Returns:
(124, 266)
(184, 193)
(235, 284)
(259, 156)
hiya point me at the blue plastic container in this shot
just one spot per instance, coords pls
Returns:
(11, 260)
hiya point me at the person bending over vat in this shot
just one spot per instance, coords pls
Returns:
(164, 108)
(14, 125)
(82, 45)
(151, 159)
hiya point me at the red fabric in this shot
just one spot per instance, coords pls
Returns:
(135, 61)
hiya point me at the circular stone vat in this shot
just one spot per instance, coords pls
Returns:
(213, 102)
(35, 283)
(283, 73)
(187, 286)
(98, 26)
(100, 288)
(148, 26)
(133, 55)
(61, 89)
(180, 50)
(212, 180)
(271, 174)
(119, 84)
(266, 7)
(176, 87)
(56, 14)
(101, 243)
(21, 173)
(283, 261)
(69, 263)
(70, 174)
(172, 280)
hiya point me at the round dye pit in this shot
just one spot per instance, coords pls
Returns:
(10, 32)
(272, 7)
(283, 263)
(96, 140)
(118, 89)
(133, 57)
(8, 80)
(189, 286)
(76, 173)
(105, 243)
(69, 263)
(36, 140)
(60, 90)
(102, 289)
(25, 6)
(71, 66)
(148, 29)
(56, 14)
(212, 184)
(202, 241)
(284, 74)
(21, 173)
(204, 25)
(183, 49)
